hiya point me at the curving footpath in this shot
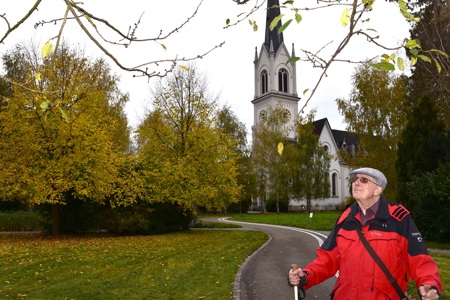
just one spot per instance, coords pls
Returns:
(263, 275)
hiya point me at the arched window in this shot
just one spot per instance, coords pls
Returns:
(264, 82)
(334, 183)
(283, 80)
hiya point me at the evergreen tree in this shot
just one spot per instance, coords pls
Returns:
(423, 146)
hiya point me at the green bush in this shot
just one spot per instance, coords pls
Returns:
(21, 221)
(431, 192)
(88, 217)
(151, 218)
(271, 204)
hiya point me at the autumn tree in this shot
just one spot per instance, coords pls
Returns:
(308, 162)
(188, 159)
(432, 31)
(65, 119)
(376, 111)
(267, 161)
(289, 168)
(230, 125)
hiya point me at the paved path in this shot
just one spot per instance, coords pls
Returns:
(263, 276)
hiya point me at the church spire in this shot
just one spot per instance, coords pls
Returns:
(272, 36)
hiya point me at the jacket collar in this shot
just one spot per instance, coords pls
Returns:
(352, 211)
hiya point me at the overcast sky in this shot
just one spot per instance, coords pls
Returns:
(229, 69)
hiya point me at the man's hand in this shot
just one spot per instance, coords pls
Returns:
(295, 274)
(428, 293)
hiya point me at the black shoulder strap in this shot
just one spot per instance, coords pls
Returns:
(381, 264)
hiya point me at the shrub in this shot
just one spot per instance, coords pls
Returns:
(431, 192)
(271, 204)
(21, 221)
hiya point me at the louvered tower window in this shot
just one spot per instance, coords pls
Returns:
(264, 82)
(283, 80)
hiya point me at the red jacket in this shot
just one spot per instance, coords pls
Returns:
(394, 237)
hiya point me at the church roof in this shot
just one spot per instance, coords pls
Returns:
(273, 40)
(340, 136)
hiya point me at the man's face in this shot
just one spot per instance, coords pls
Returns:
(365, 187)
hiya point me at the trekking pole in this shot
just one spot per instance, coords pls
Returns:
(294, 267)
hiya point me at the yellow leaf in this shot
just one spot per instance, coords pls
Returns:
(424, 58)
(64, 115)
(280, 148)
(438, 65)
(401, 64)
(46, 49)
(37, 76)
(440, 52)
(345, 17)
(44, 105)
(412, 44)
(255, 26)
(184, 68)
(275, 21)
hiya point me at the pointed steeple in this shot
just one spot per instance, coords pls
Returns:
(272, 36)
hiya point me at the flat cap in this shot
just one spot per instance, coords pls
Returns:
(374, 173)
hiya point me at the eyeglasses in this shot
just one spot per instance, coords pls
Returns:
(363, 180)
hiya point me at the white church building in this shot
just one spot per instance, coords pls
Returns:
(275, 84)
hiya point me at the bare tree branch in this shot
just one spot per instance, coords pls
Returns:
(125, 39)
(11, 29)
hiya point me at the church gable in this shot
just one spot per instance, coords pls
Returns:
(326, 139)
(336, 139)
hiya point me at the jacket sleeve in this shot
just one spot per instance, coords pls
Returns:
(422, 267)
(325, 265)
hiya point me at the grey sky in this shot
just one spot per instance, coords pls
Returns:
(229, 69)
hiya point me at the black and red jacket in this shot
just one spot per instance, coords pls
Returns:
(394, 237)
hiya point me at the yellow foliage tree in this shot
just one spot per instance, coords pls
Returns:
(376, 111)
(187, 158)
(63, 131)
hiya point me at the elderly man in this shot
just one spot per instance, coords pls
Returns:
(375, 246)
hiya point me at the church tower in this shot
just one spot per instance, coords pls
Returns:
(275, 78)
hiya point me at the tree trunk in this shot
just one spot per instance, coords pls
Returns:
(278, 204)
(55, 219)
(308, 206)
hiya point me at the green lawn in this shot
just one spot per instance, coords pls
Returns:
(319, 221)
(186, 265)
